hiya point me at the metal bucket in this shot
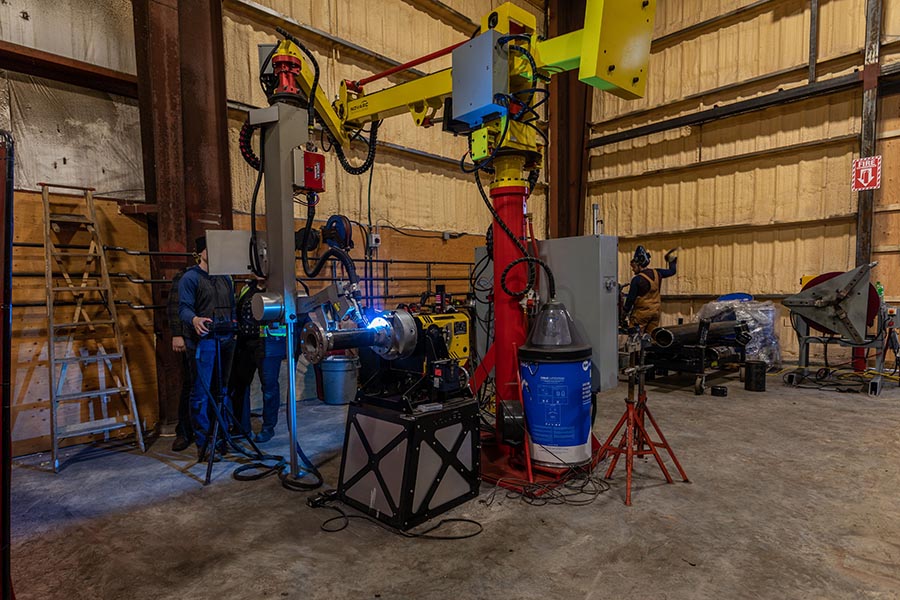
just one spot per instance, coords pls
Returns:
(339, 375)
(755, 375)
(557, 402)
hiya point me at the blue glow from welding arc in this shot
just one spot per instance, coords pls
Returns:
(377, 323)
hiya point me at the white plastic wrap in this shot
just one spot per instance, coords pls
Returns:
(760, 318)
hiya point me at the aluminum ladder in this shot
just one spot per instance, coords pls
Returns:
(82, 323)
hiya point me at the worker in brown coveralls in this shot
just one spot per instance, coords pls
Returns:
(643, 303)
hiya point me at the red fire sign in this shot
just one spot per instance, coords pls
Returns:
(866, 174)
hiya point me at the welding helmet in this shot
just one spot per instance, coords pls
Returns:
(641, 257)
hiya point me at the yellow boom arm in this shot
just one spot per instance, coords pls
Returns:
(611, 53)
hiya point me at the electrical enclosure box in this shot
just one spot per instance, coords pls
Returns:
(480, 144)
(263, 51)
(404, 469)
(586, 273)
(309, 170)
(227, 251)
(480, 72)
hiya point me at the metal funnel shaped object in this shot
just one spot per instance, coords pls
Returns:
(554, 335)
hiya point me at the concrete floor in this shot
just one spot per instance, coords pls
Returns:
(794, 495)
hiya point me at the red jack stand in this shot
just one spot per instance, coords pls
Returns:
(635, 438)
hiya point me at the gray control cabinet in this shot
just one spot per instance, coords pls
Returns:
(586, 273)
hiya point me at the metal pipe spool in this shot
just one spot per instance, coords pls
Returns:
(392, 335)
(666, 337)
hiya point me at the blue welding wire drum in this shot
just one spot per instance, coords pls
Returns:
(339, 375)
(557, 400)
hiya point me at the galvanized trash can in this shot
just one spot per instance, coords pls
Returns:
(339, 377)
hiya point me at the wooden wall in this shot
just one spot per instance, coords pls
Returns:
(756, 200)
(424, 195)
(886, 230)
(31, 384)
(408, 189)
(410, 245)
(30, 409)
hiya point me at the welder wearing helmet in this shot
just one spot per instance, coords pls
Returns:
(643, 303)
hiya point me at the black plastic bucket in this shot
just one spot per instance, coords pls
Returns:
(755, 375)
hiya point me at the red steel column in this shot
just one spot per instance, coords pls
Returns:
(509, 320)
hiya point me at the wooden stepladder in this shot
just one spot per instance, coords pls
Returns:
(83, 328)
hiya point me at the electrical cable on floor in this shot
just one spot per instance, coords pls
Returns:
(280, 466)
(826, 379)
(325, 500)
(577, 486)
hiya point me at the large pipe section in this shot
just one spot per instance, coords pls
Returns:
(666, 337)
(392, 335)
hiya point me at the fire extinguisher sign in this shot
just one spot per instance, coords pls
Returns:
(866, 174)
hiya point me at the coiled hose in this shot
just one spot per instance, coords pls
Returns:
(336, 253)
(551, 281)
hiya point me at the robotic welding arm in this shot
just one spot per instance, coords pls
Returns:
(610, 53)
(491, 94)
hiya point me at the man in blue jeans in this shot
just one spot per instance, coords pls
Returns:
(260, 348)
(206, 305)
(184, 431)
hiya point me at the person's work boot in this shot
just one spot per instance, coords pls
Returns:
(264, 436)
(180, 443)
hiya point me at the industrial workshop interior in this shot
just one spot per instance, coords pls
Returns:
(450, 299)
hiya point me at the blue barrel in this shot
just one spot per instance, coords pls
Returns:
(556, 392)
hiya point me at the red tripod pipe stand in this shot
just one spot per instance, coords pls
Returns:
(635, 440)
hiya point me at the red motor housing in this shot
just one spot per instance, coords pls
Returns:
(287, 70)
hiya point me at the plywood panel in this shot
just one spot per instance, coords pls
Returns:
(804, 186)
(405, 191)
(737, 50)
(747, 223)
(751, 260)
(407, 280)
(31, 380)
(886, 227)
(100, 33)
(30, 408)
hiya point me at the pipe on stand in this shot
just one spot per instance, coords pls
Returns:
(666, 337)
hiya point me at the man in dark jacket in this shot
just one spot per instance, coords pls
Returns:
(260, 348)
(643, 302)
(206, 306)
(184, 432)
